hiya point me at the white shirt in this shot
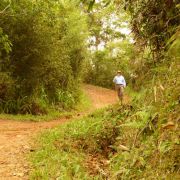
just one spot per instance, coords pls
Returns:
(119, 80)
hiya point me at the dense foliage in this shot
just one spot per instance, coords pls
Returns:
(42, 52)
(110, 47)
(141, 139)
(42, 49)
(153, 22)
(102, 66)
(154, 25)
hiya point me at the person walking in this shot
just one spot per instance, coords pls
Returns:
(120, 84)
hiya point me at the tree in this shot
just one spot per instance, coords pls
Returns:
(153, 23)
(48, 49)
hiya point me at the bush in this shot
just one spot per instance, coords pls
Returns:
(48, 49)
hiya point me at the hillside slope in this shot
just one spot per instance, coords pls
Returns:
(137, 141)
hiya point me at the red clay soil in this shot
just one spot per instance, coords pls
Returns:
(15, 136)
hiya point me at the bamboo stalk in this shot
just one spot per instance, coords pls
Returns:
(155, 94)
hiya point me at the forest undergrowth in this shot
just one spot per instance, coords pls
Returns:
(82, 105)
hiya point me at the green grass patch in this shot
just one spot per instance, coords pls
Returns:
(61, 153)
(126, 137)
(36, 118)
(83, 105)
(52, 162)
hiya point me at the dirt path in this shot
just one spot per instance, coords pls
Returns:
(15, 136)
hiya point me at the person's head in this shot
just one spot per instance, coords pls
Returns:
(119, 72)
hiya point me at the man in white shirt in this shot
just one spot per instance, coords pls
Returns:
(120, 84)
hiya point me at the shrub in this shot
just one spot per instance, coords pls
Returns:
(48, 49)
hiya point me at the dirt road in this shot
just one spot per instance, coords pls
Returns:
(15, 136)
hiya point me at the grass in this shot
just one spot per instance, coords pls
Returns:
(112, 143)
(83, 105)
(68, 152)
(36, 118)
(57, 155)
(133, 142)
(85, 102)
(53, 162)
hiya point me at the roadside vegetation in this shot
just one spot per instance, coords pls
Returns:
(48, 49)
(42, 49)
(83, 105)
(141, 139)
(115, 143)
